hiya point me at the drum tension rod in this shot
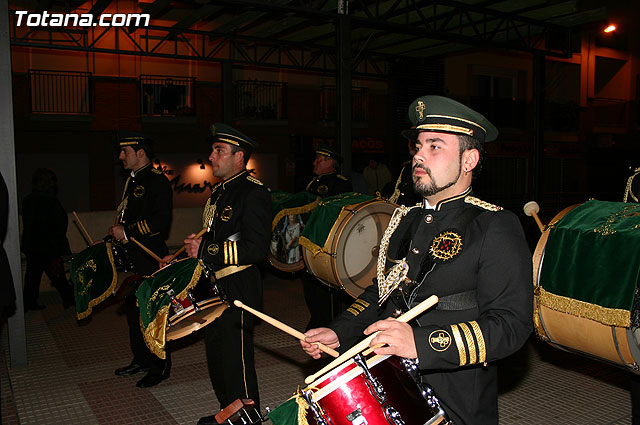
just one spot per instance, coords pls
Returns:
(375, 387)
(320, 419)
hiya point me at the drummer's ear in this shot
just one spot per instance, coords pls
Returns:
(470, 159)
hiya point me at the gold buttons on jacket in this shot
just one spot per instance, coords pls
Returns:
(428, 218)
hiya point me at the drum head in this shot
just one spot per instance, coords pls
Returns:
(190, 321)
(285, 252)
(357, 243)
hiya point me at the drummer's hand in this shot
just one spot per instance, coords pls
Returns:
(324, 335)
(117, 231)
(192, 245)
(165, 261)
(398, 337)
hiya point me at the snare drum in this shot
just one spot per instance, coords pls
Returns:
(586, 267)
(176, 301)
(378, 391)
(350, 253)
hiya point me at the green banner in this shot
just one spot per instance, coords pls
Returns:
(155, 295)
(324, 216)
(94, 277)
(593, 256)
(286, 413)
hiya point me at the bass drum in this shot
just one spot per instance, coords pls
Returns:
(570, 329)
(350, 254)
(285, 251)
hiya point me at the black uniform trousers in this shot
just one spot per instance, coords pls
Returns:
(324, 303)
(54, 269)
(228, 340)
(145, 265)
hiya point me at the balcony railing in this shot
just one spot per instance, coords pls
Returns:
(167, 95)
(359, 104)
(60, 92)
(260, 100)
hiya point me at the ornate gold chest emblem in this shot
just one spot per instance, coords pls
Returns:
(445, 246)
(138, 191)
(226, 213)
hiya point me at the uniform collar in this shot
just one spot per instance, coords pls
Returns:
(141, 169)
(234, 178)
(446, 203)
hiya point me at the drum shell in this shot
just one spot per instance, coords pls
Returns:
(342, 252)
(344, 390)
(612, 344)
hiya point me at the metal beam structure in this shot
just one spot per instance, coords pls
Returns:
(304, 38)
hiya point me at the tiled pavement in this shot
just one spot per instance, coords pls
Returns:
(70, 380)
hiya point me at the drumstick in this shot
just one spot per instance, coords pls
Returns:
(531, 209)
(364, 344)
(84, 232)
(147, 250)
(285, 328)
(182, 248)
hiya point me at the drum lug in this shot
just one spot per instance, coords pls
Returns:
(315, 409)
(375, 387)
(192, 299)
(177, 307)
(433, 402)
(392, 415)
(411, 366)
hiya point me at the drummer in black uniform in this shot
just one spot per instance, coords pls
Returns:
(325, 303)
(144, 214)
(238, 216)
(471, 254)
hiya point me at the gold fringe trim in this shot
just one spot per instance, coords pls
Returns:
(315, 249)
(155, 333)
(294, 211)
(606, 316)
(303, 407)
(537, 323)
(106, 294)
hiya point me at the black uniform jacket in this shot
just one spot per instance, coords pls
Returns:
(239, 235)
(456, 344)
(329, 184)
(147, 201)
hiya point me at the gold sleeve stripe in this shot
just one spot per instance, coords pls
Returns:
(461, 350)
(146, 225)
(470, 342)
(235, 252)
(352, 311)
(139, 228)
(226, 252)
(357, 306)
(362, 302)
(482, 348)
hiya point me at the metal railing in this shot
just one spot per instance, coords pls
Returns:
(167, 95)
(60, 92)
(329, 104)
(260, 100)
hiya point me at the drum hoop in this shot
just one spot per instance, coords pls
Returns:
(286, 267)
(343, 224)
(341, 380)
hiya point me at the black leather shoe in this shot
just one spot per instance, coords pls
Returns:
(208, 420)
(151, 379)
(132, 369)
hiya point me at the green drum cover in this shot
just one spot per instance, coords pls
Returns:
(593, 255)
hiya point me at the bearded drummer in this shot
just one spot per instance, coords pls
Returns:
(471, 254)
(144, 214)
(238, 218)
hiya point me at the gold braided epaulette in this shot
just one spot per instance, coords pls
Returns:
(482, 204)
(254, 180)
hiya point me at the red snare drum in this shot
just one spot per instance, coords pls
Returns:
(383, 394)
